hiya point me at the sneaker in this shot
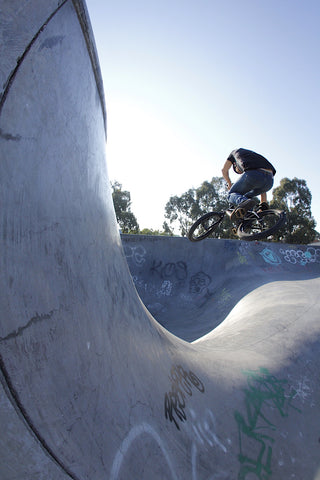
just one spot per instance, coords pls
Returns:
(240, 211)
(263, 206)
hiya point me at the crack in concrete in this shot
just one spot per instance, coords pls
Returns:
(8, 83)
(8, 136)
(36, 319)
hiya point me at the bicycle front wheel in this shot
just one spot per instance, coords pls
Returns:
(205, 226)
(261, 225)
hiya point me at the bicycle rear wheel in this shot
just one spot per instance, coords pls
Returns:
(205, 226)
(261, 225)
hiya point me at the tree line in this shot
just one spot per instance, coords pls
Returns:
(292, 196)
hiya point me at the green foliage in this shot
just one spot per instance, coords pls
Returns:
(182, 211)
(167, 230)
(179, 210)
(150, 231)
(122, 205)
(294, 197)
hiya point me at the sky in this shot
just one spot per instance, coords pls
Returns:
(188, 81)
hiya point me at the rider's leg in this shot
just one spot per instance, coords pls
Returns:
(238, 192)
(263, 204)
(251, 183)
(243, 207)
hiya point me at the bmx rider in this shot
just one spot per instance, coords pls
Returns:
(256, 179)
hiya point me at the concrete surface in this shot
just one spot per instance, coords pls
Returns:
(92, 386)
(190, 288)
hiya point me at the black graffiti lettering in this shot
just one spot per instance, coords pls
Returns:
(181, 270)
(199, 283)
(181, 377)
(170, 270)
(155, 267)
(173, 405)
(181, 387)
(196, 382)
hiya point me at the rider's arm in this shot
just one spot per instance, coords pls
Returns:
(225, 172)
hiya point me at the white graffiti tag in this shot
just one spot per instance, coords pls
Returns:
(204, 429)
(135, 432)
(137, 254)
(311, 255)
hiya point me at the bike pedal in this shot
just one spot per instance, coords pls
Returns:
(240, 213)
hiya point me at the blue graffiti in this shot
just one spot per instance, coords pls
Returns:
(270, 257)
(300, 257)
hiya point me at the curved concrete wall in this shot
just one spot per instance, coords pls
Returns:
(190, 289)
(92, 387)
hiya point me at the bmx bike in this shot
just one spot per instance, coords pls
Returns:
(254, 225)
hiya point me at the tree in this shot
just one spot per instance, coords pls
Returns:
(122, 205)
(167, 230)
(294, 197)
(182, 211)
(150, 231)
(178, 210)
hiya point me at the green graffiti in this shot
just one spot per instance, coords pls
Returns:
(242, 258)
(264, 394)
(224, 296)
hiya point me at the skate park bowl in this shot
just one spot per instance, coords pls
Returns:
(133, 357)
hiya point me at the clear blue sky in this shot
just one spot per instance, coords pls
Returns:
(188, 81)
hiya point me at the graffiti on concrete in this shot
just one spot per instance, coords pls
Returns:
(270, 257)
(199, 283)
(165, 289)
(244, 253)
(300, 257)
(140, 284)
(173, 270)
(242, 258)
(265, 395)
(199, 288)
(224, 297)
(169, 277)
(136, 254)
(182, 383)
(122, 456)
(134, 434)
(303, 390)
(204, 429)
(291, 255)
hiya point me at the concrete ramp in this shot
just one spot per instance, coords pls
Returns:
(190, 288)
(92, 386)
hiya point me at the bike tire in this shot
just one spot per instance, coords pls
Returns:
(205, 226)
(265, 224)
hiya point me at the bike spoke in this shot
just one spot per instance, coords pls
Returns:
(205, 226)
(261, 225)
